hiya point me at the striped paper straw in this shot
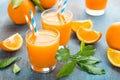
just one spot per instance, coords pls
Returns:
(64, 6)
(58, 11)
(29, 24)
(59, 6)
(33, 21)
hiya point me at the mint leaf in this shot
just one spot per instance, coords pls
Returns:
(88, 60)
(63, 55)
(76, 55)
(91, 68)
(67, 69)
(92, 60)
(83, 58)
(89, 47)
(16, 68)
(7, 62)
(88, 50)
(37, 3)
(82, 46)
(16, 3)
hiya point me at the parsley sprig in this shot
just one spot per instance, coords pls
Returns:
(83, 58)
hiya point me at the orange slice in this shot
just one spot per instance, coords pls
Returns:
(83, 23)
(89, 36)
(12, 43)
(113, 56)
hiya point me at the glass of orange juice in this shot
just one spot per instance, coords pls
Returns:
(95, 7)
(42, 49)
(61, 22)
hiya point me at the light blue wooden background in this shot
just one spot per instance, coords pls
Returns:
(101, 23)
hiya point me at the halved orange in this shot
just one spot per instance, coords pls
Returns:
(113, 56)
(83, 23)
(12, 43)
(89, 36)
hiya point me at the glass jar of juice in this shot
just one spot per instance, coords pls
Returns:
(62, 22)
(95, 7)
(42, 49)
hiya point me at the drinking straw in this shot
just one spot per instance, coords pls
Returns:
(59, 6)
(64, 6)
(29, 24)
(58, 11)
(33, 37)
(33, 21)
(61, 10)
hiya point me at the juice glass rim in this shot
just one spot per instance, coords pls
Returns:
(55, 10)
(51, 29)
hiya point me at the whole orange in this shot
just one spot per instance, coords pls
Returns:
(113, 36)
(48, 3)
(17, 14)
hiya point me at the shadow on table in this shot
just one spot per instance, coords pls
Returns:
(44, 76)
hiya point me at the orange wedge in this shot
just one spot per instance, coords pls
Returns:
(12, 43)
(89, 36)
(83, 23)
(113, 56)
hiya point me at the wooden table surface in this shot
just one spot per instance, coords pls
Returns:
(101, 23)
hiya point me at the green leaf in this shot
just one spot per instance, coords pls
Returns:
(63, 55)
(85, 50)
(88, 60)
(92, 60)
(91, 68)
(83, 58)
(89, 47)
(88, 51)
(16, 68)
(7, 62)
(37, 3)
(16, 3)
(82, 46)
(67, 69)
(75, 55)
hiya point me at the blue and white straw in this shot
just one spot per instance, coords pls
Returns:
(33, 21)
(29, 24)
(59, 6)
(64, 6)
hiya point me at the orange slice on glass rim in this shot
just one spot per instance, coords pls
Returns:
(12, 43)
(89, 36)
(113, 56)
(82, 23)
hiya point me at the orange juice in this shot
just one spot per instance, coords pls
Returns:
(42, 49)
(50, 19)
(96, 4)
(95, 7)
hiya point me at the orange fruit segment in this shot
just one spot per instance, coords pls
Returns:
(12, 43)
(89, 36)
(113, 56)
(83, 23)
